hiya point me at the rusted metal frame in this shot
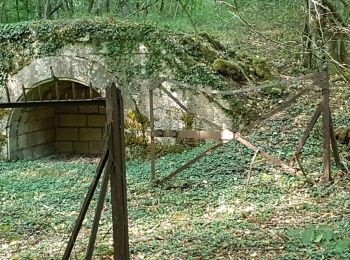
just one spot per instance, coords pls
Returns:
(334, 143)
(244, 88)
(91, 91)
(189, 164)
(279, 109)
(7, 93)
(74, 90)
(86, 204)
(324, 84)
(308, 129)
(24, 93)
(225, 135)
(39, 93)
(186, 109)
(272, 159)
(46, 103)
(57, 89)
(98, 210)
(152, 144)
(115, 116)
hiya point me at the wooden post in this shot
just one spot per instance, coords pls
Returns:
(326, 127)
(152, 145)
(115, 117)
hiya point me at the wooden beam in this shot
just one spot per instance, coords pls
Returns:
(115, 117)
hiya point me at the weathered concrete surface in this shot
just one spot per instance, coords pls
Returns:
(80, 129)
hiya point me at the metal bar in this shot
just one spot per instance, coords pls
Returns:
(244, 88)
(185, 108)
(74, 90)
(324, 84)
(152, 144)
(39, 93)
(86, 204)
(24, 93)
(309, 127)
(284, 166)
(91, 90)
(115, 116)
(280, 108)
(334, 142)
(98, 210)
(189, 164)
(57, 90)
(45, 103)
(193, 134)
(7, 93)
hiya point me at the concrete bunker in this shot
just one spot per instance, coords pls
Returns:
(37, 132)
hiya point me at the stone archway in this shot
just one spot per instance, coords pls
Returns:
(37, 132)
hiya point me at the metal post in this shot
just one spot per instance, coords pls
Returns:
(115, 117)
(152, 145)
(326, 127)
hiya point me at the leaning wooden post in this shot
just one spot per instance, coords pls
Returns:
(326, 125)
(115, 117)
(152, 145)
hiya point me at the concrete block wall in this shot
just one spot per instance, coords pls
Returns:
(35, 133)
(80, 129)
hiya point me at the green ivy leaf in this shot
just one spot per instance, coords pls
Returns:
(308, 236)
(342, 245)
(319, 237)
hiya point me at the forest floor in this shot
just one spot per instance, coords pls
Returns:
(211, 211)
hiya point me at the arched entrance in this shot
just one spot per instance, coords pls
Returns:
(40, 131)
(37, 132)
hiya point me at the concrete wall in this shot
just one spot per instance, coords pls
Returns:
(80, 129)
(33, 133)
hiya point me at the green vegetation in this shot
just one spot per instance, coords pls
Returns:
(221, 208)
